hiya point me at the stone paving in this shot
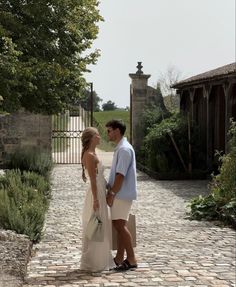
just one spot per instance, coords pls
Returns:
(14, 254)
(171, 250)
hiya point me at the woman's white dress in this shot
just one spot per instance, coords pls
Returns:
(97, 256)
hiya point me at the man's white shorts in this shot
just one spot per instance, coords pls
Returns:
(120, 209)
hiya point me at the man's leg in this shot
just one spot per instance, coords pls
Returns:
(124, 242)
(120, 247)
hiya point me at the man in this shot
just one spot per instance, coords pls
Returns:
(123, 191)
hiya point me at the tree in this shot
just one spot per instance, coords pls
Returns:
(109, 106)
(166, 81)
(85, 100)
(8, 72)
(42, 52)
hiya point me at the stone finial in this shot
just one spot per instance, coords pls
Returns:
(139, 67)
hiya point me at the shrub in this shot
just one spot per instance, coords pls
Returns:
(35, 180)
(158, 151)
(153, 115)
(31, 160)
(23, 202)
(221, 203)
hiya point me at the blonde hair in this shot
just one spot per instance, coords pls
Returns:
(87, 135)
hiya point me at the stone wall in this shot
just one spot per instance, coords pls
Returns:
(23, 129)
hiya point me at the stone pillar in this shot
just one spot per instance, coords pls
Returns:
(138, 99)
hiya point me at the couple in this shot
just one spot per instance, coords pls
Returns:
(97, 256)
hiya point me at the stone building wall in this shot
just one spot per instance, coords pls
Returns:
(23, 129)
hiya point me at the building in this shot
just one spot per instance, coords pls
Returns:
(210, 100)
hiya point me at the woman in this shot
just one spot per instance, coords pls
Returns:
(96, 256)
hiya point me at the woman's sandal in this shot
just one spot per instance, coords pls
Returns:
(125, 265)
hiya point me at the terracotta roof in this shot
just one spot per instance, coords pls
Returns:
(220, 72)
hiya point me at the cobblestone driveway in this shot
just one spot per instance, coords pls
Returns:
(171, 250)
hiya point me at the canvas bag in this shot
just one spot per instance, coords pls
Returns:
(95, 230)
(131, 224)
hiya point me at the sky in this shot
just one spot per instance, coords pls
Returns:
(194, 36)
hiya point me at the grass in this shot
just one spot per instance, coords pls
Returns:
(102, 118)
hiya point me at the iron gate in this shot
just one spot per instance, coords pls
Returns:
(66, 137)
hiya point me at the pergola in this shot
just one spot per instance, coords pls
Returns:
(210, 99)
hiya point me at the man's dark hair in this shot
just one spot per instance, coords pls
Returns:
(117, 124)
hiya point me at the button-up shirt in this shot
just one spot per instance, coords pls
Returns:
(124, 163)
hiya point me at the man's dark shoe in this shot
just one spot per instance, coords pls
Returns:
(125, 265)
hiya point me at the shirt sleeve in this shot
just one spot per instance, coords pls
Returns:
(123, 161)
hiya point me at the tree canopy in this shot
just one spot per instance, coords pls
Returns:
(43, 47)
(109, 106)
(85, 100)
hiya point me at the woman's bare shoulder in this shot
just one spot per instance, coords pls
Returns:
(88, 158)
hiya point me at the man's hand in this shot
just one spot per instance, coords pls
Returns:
(108, 187)
(110, 199)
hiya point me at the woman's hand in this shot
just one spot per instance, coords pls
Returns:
(95, 205)
(108, 188)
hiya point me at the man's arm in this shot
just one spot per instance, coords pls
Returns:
(115, 188)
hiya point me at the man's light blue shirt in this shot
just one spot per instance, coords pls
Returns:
(124, 163)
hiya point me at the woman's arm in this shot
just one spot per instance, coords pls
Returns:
(91, 165)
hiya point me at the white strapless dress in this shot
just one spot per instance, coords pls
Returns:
(97, 256)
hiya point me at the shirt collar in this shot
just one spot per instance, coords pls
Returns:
(123, 139)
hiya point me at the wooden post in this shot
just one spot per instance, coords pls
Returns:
(178, 152)
(189, 146)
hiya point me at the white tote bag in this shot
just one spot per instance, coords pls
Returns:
(95, 230)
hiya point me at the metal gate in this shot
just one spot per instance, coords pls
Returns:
(66, 137)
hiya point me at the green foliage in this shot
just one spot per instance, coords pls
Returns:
(8, 71)
(158, 151)
(151, 116)
(204, 207)
(23, 202)
(31, 160)
(39, 182)
(43, 52)
(162, 131)
(221, 203)
(109, 106)
(85, 101)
